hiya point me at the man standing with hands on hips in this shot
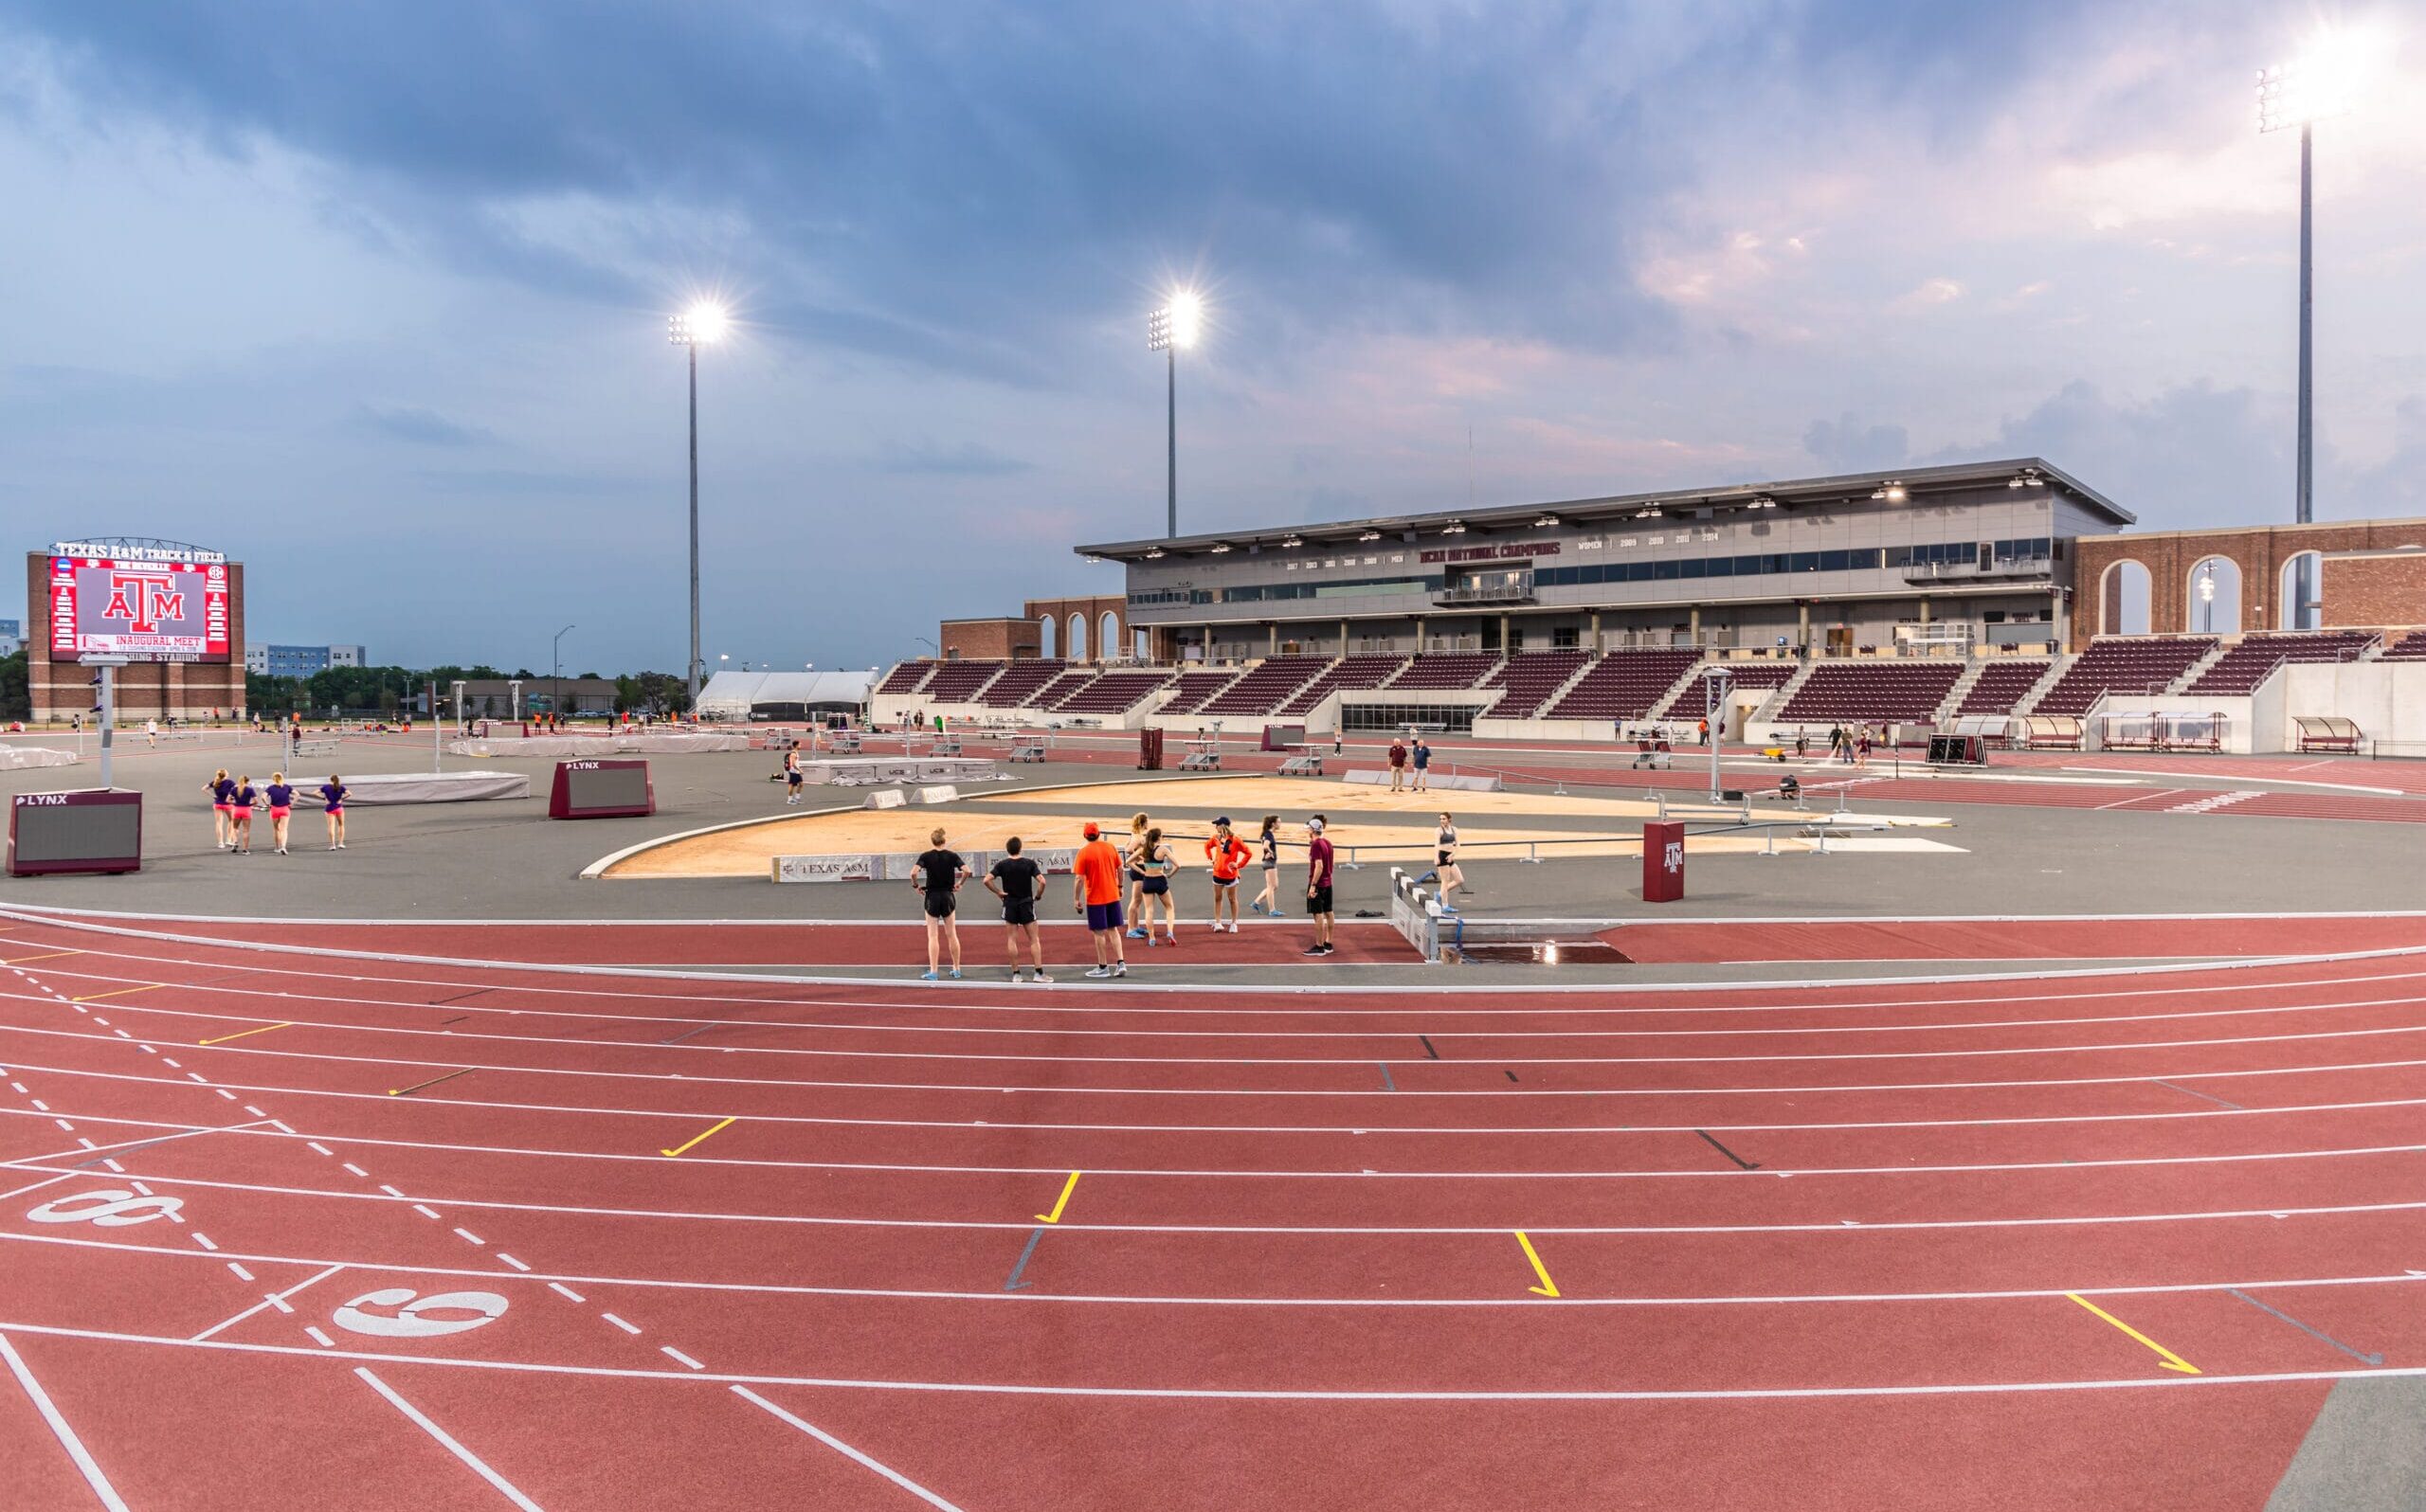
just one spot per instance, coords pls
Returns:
(1319, 879)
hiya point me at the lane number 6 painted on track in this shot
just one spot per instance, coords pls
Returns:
(107, 1208)
(417, 1316)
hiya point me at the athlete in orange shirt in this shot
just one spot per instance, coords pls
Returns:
(1229, 855)
(1097, 893)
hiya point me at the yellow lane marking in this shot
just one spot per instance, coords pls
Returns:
(2171, 1361)
(52, 956)
(694, 1140)
(1067, 1187)
(240, 1034)
(1548, 1288)
(120, 993)
(399, 1091)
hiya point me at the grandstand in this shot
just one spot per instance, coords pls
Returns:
(2136, 664)
(2246, 665)
(1115, 692)
(1874, 692)
(1447, 670)
(2411, 647)
(957, 682)
(1533, 678)
(1625, 684)
(1196, 690)
(1272, 683)
(1350, 673)
(2002, 685)
(1020, 683)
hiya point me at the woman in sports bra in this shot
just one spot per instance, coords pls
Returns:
(1152, 863)
(1134, 862)
(1268, 901)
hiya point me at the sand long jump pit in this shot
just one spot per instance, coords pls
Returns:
(1368, 824)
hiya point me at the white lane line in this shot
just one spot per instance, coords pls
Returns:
(509, 1260)
(315, 1148)
(831, 1441)
(323, 1340)
(1256, 1393)
(431, 1214)
(39, 1102)
(677, 1355)
(66, 1435)
(452, 1445)
(619, 1322)
(255, 1111)
(172, 1065)
(1545, 1172)
(242, 1274)
(469, 1237)
(992, 1091)
(274, 1299)
(845, 1221)
(2089, 1048)
(355, 1170)
(862, 986)
(746, 1289)
(203, 1240)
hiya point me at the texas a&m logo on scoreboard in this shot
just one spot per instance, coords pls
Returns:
(145, 610)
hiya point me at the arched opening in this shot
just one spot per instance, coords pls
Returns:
(1139, 648)
(2303, 585)
(1077, 650)
(2122, 598)
(1048, 638)
(1108, 636)
(2213, 600)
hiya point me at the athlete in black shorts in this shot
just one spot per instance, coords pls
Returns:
(1014, 880)
(940, 874)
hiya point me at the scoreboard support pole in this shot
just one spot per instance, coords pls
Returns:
(108, 666)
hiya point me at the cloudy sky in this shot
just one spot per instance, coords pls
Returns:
(373, 295)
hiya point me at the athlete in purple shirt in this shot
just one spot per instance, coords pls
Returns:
(1319, 879)
(333, 799)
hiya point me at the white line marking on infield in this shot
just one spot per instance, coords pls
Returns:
(67, 1439)
(452, 1445)
(831, 1441)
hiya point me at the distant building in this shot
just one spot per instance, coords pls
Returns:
(493, 698)
(301, 661)
(12, 636)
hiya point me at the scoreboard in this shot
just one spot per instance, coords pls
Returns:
(163, 606)
(602, 789)
(95, 830)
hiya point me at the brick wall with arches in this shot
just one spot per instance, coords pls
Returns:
(2252, 570)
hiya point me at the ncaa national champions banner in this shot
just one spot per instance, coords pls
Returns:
(141, 609)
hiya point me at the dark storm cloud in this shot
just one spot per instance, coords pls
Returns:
(981, 170)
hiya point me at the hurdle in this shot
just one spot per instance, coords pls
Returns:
(1027, 751)
(1305, 766)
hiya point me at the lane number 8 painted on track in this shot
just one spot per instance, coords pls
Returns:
(106, 1208)
(402, 1313)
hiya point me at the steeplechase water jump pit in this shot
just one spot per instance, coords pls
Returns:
(1364, 822)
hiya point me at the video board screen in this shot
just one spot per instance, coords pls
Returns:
(88, 831)
(144, 611)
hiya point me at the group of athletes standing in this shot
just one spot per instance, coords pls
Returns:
(233, 801)
(1148, 866)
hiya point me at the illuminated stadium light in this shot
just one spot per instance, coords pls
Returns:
(1892, 491)
(1155, 554)
(1651, 512)
(1293, 540)
(2324, 82)
(1762, 501)
(1547, 522)
(1453, 528)
(1220, 548)
(1369, 536)
(2027, 478)
(704, 322)
(1169, 330)
(2321, 83)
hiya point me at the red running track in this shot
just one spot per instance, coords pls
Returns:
(1800, 1238)
(2019, 939)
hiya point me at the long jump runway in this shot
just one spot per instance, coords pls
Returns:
(286, 1228)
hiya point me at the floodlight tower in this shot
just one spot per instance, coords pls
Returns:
(1169, 330)
(2315, 86)
(704, 321)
